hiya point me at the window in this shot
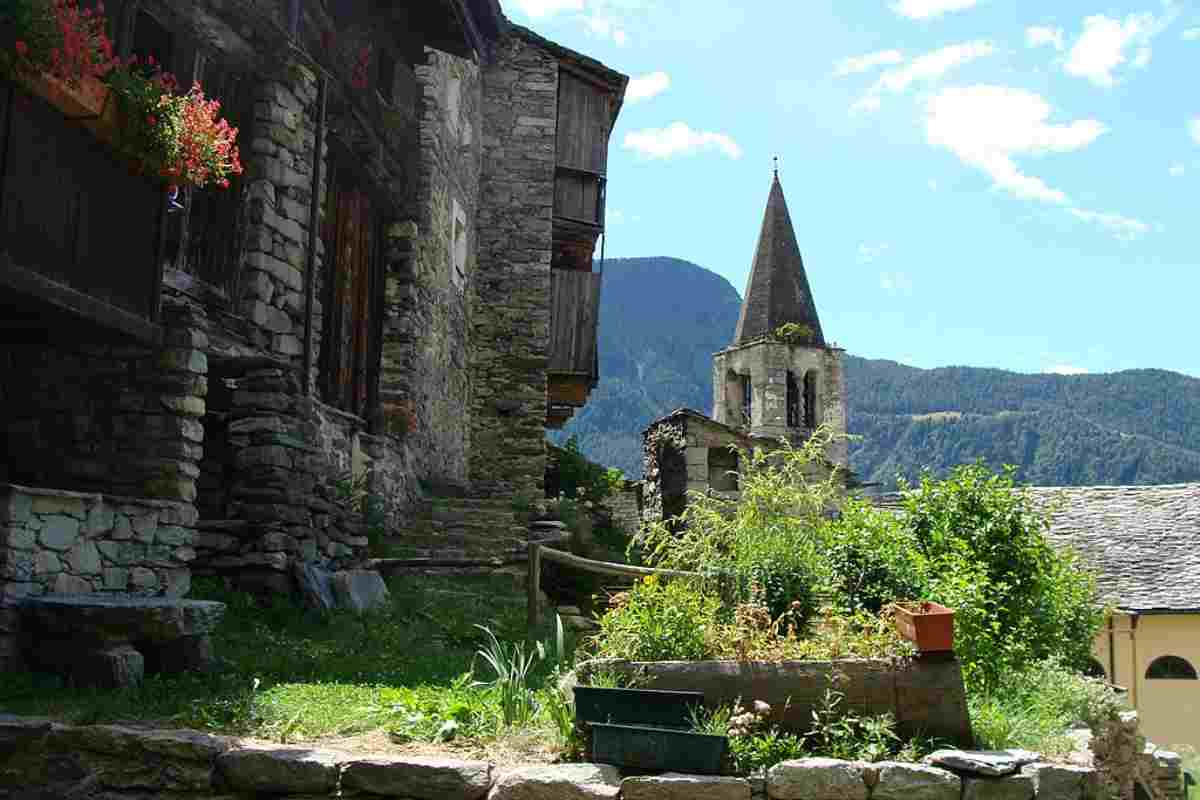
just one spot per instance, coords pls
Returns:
(747, 400)
(810, 399)
(1170, 668)
(1095, 669)
(793, 401)
(722, 469)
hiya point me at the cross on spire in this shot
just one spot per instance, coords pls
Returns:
(776, 160)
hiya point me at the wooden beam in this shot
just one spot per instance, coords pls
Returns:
(533, 586)
(604, 567)
(31, 283)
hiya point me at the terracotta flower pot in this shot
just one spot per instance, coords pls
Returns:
(926, 624)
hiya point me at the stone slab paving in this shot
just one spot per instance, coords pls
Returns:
(674, 786)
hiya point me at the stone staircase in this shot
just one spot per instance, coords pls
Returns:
(463, 528)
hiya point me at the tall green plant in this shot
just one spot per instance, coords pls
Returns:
(512, 665)
(1018, 600)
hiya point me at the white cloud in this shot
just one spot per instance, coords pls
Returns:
(1194, 127)
(1101, 47)
(1066, 369)
(895, 282)
(677, 139)
(606, 28)
(644, 87)
(1124, 228)
(987, 126)
(925, 9)
(857, 64)
(926, 69)
(1175, 170)
(869, 252)
(1191, 34)
(933, 185)
(1038, 35)
(547, 8)
(614, 216)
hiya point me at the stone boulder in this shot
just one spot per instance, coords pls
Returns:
(817, 779)
(280, 771)
(903, 781)
(315, 585)
(1061, 781)
(982, 762)
(675, 786)
(419, 778)
(559, 782)
(360, 590)
(1008, 787)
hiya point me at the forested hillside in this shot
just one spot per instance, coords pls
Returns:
(661, 319)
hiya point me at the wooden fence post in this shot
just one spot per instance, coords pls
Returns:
(533, 585)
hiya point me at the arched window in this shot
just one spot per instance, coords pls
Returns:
(810, 399)
(1095, 669)
(747, 399)
(793, 401)
(1170, 668)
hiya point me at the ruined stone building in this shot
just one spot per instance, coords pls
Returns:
(399, 289)
(777, 379)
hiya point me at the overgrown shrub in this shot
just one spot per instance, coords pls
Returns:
(659, 621)
(1017, 599)
(1032, 708)
(873, 559)
(581, 479)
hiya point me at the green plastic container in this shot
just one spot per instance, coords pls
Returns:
(636, 706)
(658, 749)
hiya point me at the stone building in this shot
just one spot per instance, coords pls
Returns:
(397, 295)
(777, 379)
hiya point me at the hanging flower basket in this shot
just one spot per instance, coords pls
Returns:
(928, 625)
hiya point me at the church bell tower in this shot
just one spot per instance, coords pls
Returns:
(778, 377)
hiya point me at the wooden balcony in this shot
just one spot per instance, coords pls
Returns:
(574, 318)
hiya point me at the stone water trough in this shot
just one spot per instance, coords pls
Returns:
(925, 694)
(112, 640)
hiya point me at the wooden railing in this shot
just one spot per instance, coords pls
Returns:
(539, 551)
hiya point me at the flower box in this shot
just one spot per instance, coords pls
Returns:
(928, 625)
(87, 100)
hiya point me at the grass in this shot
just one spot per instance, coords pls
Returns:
(1033, 709)
(292, 675)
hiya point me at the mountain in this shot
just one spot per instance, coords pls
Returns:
(662, 318)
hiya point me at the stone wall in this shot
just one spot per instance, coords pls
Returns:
(118, 418)
(40, 758)
(626, 507)
(278, 178)
(425, 385)
(510, 324)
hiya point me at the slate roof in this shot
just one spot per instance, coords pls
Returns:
(777, 290)
(1142, 541)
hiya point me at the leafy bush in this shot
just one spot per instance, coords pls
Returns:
(581, 479)
(659, 621)
(1017, 600)
(873, 559)
(1032, 708)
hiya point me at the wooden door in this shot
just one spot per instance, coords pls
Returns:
(350, 252)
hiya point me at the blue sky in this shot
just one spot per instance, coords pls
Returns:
(983, 182)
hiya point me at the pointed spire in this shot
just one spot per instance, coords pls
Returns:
(777, 290)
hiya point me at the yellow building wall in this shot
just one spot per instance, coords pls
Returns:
(1167, 708)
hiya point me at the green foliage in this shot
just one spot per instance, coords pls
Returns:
(770, 541)
(761, 751)
(511, 664)
(793, 333)
(659, 621)
(1031, 708)
(873, 559)
(580, 479)
(1017, 600)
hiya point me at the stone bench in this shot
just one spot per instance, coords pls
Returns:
(112, 640)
